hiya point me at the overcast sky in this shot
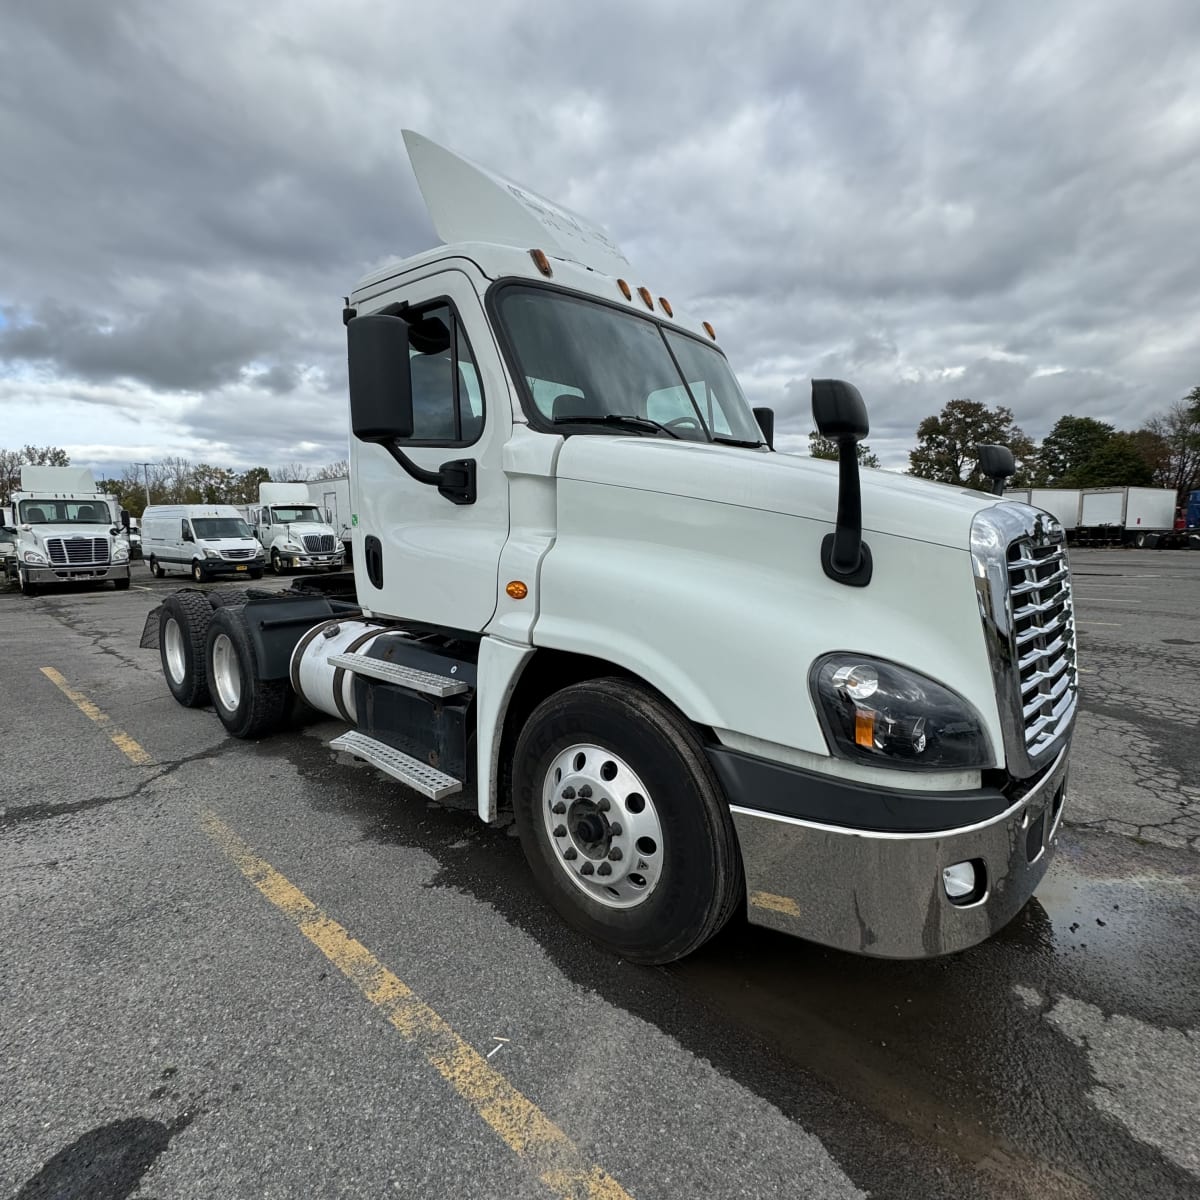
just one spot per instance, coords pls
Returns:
(989, 200)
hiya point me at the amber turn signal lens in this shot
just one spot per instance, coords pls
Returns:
(626, 291)
(665, 305)
(517, 590)
(541, 262)
(712, 333)
(647, 299)
(864, 727)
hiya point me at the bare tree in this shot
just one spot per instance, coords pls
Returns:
(334, 470)
(1178, 434)
(291, 473)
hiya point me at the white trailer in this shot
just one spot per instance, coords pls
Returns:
(701, 675)
(332, 496)
(1060, 503)
(66, 531)
(1131, 516)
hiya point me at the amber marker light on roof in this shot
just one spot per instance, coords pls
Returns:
(665, 305)
(517, 590)
(712, 333)
(626, 291)
(647, 299)
(541, 262)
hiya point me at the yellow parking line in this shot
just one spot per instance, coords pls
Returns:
(773, 903)
(522, 1126)
(119, 737)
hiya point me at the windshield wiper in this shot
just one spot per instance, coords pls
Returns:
(728, 441)
(649, 424)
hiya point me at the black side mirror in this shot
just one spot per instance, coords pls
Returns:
(998, 464)
(124, 518)
(766, 422)
(380, 378)
(841, 416)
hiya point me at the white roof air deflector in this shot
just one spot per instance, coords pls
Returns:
(468, 203)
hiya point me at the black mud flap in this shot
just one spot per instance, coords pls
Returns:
(150, 632)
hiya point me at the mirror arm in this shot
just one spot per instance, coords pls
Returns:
(454, 480)
(845, 557)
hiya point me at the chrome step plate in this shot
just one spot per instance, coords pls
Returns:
(425, 682)
(419, 776)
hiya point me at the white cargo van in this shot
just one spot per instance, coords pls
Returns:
(203, 539)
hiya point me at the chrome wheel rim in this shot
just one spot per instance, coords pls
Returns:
(226, 676)
(173, 647)
(602, 826)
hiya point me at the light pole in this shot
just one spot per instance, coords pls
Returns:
(146, 473)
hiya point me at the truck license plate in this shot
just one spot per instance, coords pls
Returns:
(240, 567)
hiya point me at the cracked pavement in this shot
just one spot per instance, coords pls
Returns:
(156, 1013)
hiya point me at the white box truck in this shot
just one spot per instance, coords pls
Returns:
(204, 540)
(293, 530)
(1060, 503)
(66, 531)
(1130, 516)
(332, 496)
(701, 675)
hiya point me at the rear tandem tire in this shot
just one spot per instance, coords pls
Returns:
(182, 628)
(612, 729)
(249, 706)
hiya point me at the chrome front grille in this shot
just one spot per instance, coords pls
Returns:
(1023, 581)
(1043, 627)
(319, 543)
(78, 551)
(237, 553)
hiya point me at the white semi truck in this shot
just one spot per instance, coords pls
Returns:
(701, 675)
(332, 496)
(293, 530)
(66, 531)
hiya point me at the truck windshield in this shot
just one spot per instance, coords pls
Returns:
(65, 512)
(282, 514)
(208, 528)
(586, 361)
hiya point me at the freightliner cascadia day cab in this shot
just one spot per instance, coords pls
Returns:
(205, 540)
(293, 530)
(66, 531)
(703, 676)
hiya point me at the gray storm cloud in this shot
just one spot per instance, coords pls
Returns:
(978, 200)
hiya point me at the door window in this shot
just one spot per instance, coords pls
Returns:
(446, 391)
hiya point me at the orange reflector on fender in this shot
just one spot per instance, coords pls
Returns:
(517, 590)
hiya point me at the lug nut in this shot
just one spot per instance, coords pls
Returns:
(605, 869)
(585, 792)
(586, 869)
(569, 793)
(570, 854)
(559, 809)
(615, 854)
(603, 804)
(616, 829)
(560, 831)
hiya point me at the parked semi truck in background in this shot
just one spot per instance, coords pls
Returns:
(293, 530)
(65, 531)
(703, 676)
(332, 496)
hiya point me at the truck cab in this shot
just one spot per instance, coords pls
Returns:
(702, 675)
(65, 531)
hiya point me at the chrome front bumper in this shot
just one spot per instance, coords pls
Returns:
(882, 894)
(65, 573)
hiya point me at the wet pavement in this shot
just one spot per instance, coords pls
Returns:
(1060, 1059)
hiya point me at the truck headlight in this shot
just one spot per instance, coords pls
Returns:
(877, 712)
(120, 553)
(210, 553)
(293, 547)
(32, 556)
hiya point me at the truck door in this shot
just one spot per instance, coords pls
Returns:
(419, 555)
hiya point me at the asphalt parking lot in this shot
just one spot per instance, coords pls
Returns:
(236, 969)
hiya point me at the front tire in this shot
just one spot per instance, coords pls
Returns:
(256, 573)
(277, 567)
(623, 822)
(249, 706)
(182, 628)
(27, 587)
(157, 569)
(121, 585)
(198, 574)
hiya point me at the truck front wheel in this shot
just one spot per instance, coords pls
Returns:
(182, 627)
(249, 706)
(27, 588)
(623, 821)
